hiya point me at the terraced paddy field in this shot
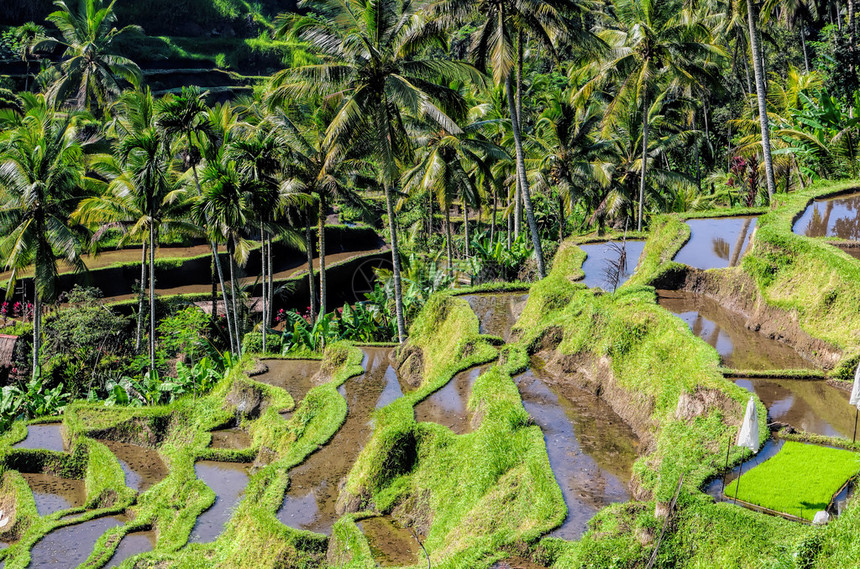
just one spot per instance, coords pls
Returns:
(554, 424)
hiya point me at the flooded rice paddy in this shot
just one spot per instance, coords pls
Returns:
(449, 406)
(228, 480)
(810, 406)
(609, 265)
(53, 493)
(296, 377)
(69, 546)
(716, 243)
(832, 217)
(132, 544)
(48, 437)
(142, 466)
(591, 450)
(312, 495)
(738, 346)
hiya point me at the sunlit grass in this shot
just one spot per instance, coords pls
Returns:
(800, 480)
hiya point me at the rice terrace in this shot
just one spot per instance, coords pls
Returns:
(455, 284)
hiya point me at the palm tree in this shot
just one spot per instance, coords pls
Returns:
(503, 23)
(761, 97)
(446, 171)
(185, 118)
(145, 154)
(227, 207)
(370, 52)
(92, 73)
(41, 176)
(29, 37)
(660, 49)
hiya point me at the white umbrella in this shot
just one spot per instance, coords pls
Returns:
(855, 399)
(748, 436)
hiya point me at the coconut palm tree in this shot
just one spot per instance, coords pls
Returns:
(372, 63)
(29, 37)
(92, 73)
(41, 178)
(660, 48)
(499, 43)
(447, 169)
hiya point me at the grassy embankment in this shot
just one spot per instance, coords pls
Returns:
(180, 431)
(472, 494)
(800, 480)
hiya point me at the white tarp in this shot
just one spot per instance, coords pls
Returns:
(855, 390)
(748, 435)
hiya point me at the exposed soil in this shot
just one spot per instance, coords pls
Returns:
(735, 292)
(497, 312)
(143, 466)
(605, 267)
(810, 406)
(449, 406)
(132, 544)
(234, 438)
(516, 563)
(833, 217)
(48, 436)
(717, 243)
(70, 546)
(391, 545)
(53, 493)
(311, 500)
(228, 480)
(591, 450)
(297, 377)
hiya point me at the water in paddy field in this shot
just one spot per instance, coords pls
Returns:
(716, 243)
(312, 495)
(228, 480)
(810, 406)
(48, 436)
(390, 544)
(834, 217)
(69, 546)
(449, 406)
(738, 346)
(142, 466)
(497, 312)
(296, 377)
(609, 265)
(132, 544)
(230, 439)
(53, 493)
(591, 450)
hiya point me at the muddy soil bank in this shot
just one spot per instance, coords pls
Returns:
(736, 291)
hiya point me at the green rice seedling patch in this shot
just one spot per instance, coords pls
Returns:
(800, 480)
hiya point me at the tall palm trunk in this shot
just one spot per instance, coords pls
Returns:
(142, 295)
(312, 280)
(232, 250)
(518, 196)
(524, 184)
(321, 238)
(265, 294)
(761, 93)
(644, 168)
(448, 237)
(395, 260)
(220, 272)
(561, 219)
(37, 329)
(803, 45)
(466, 226)
(493, 221)
(151, 297)
(271, 289)
(430, 219)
